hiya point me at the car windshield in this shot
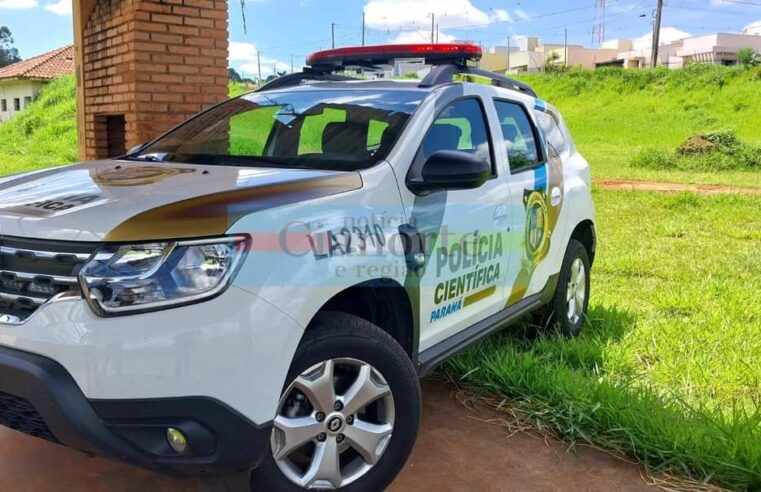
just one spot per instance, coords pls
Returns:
(344, 130)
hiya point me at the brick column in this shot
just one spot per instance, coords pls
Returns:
(144, 66)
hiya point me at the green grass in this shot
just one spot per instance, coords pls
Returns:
(668, 368)
(615, 114)
(43, 135)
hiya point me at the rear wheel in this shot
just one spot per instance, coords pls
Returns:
(349, 413)
(567, 311)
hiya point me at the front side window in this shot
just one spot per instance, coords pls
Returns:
(27, 101)
(344, 130)
(4, 105)
(460, 126)
(16, 104)
(518, 133)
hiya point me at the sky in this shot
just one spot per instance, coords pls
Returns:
(286, 30)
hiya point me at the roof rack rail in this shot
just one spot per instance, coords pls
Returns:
(294, 79)
(445, 74)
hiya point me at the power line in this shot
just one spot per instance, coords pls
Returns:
(742, 2)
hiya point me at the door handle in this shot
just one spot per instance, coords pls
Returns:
(556, 196)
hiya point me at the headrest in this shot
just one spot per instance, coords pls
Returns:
(349, 139)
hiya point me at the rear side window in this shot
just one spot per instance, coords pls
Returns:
(518, 133)
(551, 130)
(460, 126)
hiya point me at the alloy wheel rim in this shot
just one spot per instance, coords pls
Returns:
(334, 423)
(576, 291)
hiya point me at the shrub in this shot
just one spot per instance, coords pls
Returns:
(748, 57)
(711, 151)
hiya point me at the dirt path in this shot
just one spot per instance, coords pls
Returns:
(707, 189)
(456, 451)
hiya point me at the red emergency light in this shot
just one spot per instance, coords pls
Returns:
(367, 56)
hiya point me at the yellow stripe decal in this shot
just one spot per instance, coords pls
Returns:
(479, 296)
(212, 215)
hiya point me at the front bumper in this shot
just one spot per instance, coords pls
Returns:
(39, 397)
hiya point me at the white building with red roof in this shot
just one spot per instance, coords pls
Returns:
(21, 82)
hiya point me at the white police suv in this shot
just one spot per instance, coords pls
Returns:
(259, 289)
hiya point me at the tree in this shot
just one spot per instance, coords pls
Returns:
(8, 54)
(550, 63)
(234, 75)
(748, 57)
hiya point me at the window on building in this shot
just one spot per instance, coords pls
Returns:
(16, 104)
(461, 126)
(518, 132)
(4, 105)
(27, 101)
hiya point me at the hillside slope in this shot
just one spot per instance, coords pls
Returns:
(614, 114)
(45, 134)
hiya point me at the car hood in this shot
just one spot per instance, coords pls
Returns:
(137, 201)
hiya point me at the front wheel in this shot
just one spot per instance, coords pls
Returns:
(349, 413)
(567, 311)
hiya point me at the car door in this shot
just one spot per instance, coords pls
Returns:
(464, 232)
(536, 197)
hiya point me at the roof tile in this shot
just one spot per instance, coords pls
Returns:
(42, 67)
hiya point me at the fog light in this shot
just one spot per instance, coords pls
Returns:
(177, 440)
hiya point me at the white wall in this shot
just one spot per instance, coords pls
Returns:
(16, 89)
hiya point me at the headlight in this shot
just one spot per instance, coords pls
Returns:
(125, 279)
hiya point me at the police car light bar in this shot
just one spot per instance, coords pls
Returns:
(368, 56)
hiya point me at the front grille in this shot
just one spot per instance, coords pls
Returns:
(32, 271)
(18, 414)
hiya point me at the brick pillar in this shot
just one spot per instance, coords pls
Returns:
(144, 66)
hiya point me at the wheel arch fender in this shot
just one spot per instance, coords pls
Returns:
(383, 302)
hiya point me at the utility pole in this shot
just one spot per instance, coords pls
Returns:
(363, 28)
(259, 65)
(437, 33)
(433, 27)
(509, 48)
(292, 63)
(656, 34)
(565, 47)
(333, 34)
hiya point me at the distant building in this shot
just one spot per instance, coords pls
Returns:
(716, 49)
(21, 82)
(531, 53)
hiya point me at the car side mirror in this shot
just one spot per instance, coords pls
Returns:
(452, 170)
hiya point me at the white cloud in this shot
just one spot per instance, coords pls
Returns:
(18, 4)
(406, 15)
(502, 15)
(753, 28)
(245, 56)
(522, 14)
(668, 35)
(242, 51)
(61, 7)
(412, 37)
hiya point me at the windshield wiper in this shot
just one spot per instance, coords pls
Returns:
(142, 158)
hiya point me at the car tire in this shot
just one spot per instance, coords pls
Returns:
(339, 344)
(567, 311)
